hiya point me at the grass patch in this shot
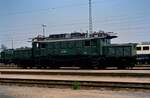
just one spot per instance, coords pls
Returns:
(76, 85)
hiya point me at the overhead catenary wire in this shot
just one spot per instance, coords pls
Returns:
(105, 21)
(101, 21)
(108, 21)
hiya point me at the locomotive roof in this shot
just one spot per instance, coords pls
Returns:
(74, 37)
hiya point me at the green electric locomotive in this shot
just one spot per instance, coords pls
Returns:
(82, 50)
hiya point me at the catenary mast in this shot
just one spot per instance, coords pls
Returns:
(90, 18)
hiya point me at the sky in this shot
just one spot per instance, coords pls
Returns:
(21, 20)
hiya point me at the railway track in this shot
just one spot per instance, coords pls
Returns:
(70, 83)
(112, 73)
(137, 67)
(86, 78)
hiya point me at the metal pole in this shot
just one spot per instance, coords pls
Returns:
(12, 43)
(43, 25)
(90, 18)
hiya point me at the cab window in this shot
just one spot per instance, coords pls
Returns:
(94, 42)
(43, 45)
(87, 43)
(138, 48)
(146, 48)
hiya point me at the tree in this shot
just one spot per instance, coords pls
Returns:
(3, 47)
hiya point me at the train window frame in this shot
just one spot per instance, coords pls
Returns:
(61, 46)
(87, 43)
(139, 48)
(145, 48)
(51, 45)
(70, 44)
(43, 45)
(56, 45)
(94, 42)
(78, 44)
(103, 40)
(67, 44)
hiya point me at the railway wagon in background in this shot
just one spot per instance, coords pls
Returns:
(7, 56)
(143, 53)
(23, 57)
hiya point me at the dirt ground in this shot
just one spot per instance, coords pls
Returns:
(39, 92)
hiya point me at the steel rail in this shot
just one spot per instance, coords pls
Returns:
(76, 73)
(70, 83)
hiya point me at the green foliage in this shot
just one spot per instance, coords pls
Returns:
(76, 85)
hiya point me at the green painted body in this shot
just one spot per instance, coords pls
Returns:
(119, 50)
(92, 47)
